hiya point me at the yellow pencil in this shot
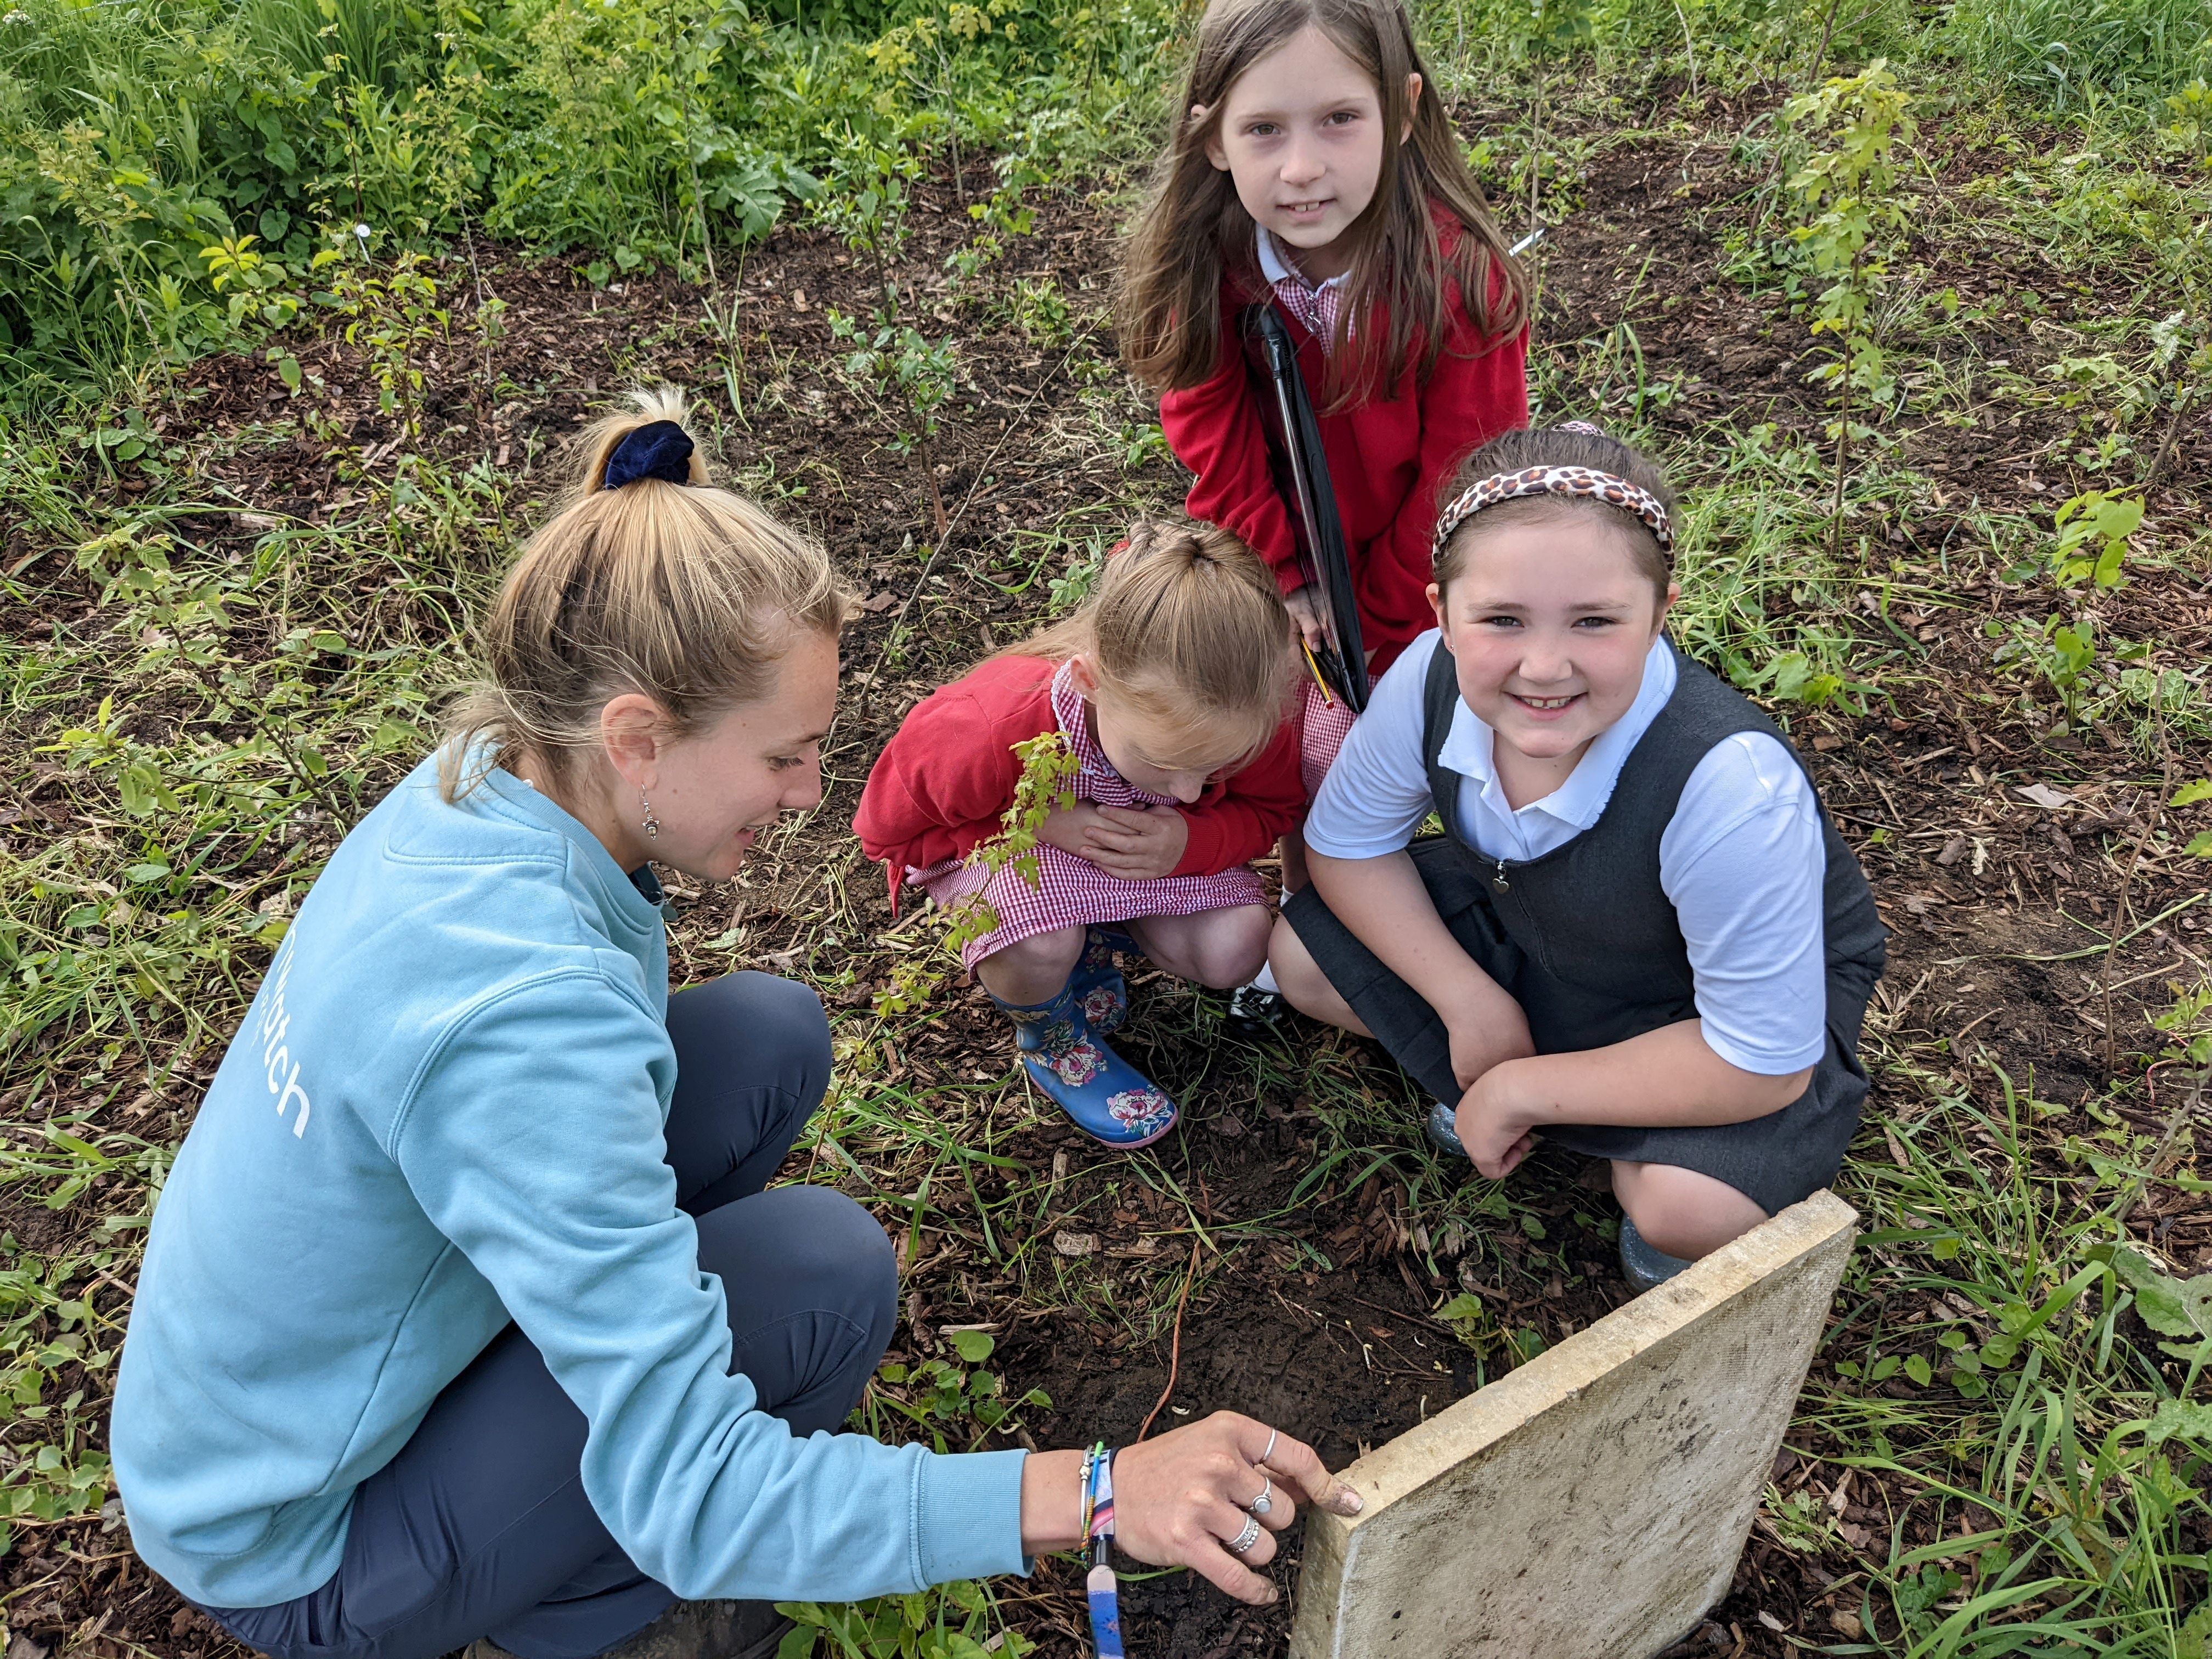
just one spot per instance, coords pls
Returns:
(1316, 667)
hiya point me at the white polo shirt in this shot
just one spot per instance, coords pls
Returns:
(1741, 859)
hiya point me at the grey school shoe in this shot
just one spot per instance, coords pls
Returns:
(1443, 1130)
(690, 1629)
(1644, 1266)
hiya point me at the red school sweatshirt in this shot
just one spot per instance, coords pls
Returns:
(1387, 457)
(948, 774)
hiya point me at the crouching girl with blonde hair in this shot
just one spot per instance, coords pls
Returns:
(1170, 688)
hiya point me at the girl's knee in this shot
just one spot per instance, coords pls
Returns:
(1060, 950)
(1682, 1211)
(1303, 983)
(1233, 948)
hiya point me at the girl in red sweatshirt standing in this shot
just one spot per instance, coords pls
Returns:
(1170, 689)
(1314, 170)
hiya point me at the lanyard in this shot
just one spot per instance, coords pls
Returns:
(1099, 1585)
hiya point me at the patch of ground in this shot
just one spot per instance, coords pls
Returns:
(1314, 1309)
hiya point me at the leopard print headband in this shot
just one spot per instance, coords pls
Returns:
(1555, 481)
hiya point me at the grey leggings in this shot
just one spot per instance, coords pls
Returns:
(479, 1526)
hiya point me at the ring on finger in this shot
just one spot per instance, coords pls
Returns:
(1246, 1538)
(1270, 1452)
(1263, 1502)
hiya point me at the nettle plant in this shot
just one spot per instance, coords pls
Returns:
(1850, 220)
(952, 1394)
(2089, 557)
(2181, 341)
(2200, 846)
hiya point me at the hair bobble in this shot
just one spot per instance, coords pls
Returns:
(1583, 481)
(658, 449)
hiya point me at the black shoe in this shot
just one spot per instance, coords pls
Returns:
(1254, 1012)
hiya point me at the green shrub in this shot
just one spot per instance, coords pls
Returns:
(136, 134)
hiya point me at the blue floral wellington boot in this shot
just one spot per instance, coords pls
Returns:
(1100, 990)
(1106, 1098)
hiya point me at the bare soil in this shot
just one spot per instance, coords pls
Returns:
(1347, 1357)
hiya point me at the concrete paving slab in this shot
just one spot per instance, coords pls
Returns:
(1592, 1503)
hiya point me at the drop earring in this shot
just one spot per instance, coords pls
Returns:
(651, 824)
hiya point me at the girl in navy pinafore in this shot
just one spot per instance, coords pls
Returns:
(1639, 936)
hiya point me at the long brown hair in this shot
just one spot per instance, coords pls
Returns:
(1169, 308)
(1187, 631)
(687, 593)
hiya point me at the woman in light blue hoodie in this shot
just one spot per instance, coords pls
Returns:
(465, 1313)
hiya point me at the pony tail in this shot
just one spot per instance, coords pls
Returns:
(685, 593)
(598, 442)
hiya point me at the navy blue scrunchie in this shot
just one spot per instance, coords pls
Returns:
(661, 449)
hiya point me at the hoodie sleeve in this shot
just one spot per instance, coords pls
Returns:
(1475, 392)
(532, 1139)
(1253, 809)
(1216, 430)
(940, 787)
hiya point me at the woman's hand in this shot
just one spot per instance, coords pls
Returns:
(1137, 843)
(1180, 1499)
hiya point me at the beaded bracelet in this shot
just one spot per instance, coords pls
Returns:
(1090, 1456)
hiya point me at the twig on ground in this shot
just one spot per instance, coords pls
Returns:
(1175, 1346)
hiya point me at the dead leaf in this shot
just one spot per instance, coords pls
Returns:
(1229, 1125)
(1770, 1621)
(879, 602)
(1846, 1623)
(1953, 850)
(1067, 1244)
(2042, 794)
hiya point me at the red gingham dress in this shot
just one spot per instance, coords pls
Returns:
(1071, 891)
(1323, 725)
